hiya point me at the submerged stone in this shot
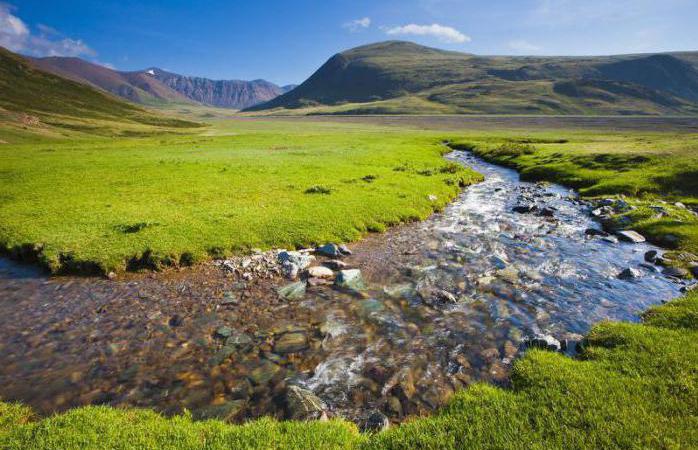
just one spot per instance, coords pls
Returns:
(350, 279)
(293, 291)
(291, 343)
(223, 332)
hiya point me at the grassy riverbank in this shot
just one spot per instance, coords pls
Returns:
(97, 205)
(633, 386)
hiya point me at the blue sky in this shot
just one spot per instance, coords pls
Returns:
(285, 41)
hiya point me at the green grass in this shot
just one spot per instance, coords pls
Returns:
(634, 386)
(101, 205)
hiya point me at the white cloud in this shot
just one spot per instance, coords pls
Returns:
(358, 24)
(442, 33)
(16, 36)
(523, 46)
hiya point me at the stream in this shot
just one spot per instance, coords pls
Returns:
(448, 302)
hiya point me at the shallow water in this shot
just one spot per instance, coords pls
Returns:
(399, 346)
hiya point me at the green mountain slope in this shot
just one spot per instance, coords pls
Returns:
(402, 77)
(40, 100)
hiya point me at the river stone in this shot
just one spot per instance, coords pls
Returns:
(291, 343)
(547, 211)
(543, 341)
(629, 274)
(675, 272)
(226, 411)
(223, 332)
(611, 239)
(631, 236)
(651, 256)
(375, 422)
(595, 232)
(302, 260)
(335, 264)
(222, 354)
(264, 373)
(302, 404)
(290, 270)
(350, 279)
(320, 272)
(398, 290)
(293, 291)
(330, 250)
(525, 208)
(345, 250)
(239, 340)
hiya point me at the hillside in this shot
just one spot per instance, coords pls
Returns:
(154, 86)
(403, 77)
(31, 98)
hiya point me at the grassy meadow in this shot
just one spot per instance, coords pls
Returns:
(95, 204)
(105, 205)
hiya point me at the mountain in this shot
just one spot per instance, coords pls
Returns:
(154, 86)
(235, 94)
(38, 99)
(403, 77)
(138, 87)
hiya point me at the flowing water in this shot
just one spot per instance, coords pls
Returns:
(448, 303)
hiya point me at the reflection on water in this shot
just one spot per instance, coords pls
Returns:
(448, 303)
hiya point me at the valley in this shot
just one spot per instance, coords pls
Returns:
(413, 248)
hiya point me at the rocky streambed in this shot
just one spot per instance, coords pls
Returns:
(389, 331)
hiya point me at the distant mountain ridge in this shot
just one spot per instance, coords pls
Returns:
(35, 99)
(155, 86)
(403, 77)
